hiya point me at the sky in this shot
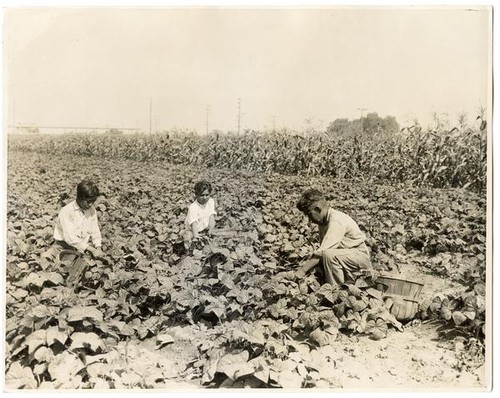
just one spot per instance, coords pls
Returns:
(274, 67)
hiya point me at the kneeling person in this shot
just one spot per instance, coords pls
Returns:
(201, 213)
(77, 228)
(342, 251)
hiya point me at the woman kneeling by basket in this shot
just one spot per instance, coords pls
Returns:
(342, 251)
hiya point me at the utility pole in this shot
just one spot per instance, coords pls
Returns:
(362, 110)
(274, 122)
(239, 114)
(208, 111)
(14, 112)
(361, 119)
(150, 114)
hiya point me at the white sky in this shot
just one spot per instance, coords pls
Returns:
(90, 67)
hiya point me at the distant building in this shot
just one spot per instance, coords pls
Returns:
(19, 129)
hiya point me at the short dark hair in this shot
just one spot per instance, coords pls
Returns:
(201, 186)
(308, 198)
(87, 189)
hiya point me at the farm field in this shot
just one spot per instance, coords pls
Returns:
(158, 315)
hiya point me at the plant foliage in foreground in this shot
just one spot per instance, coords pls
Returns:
(254, 329)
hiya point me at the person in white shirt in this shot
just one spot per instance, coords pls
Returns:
(342, 251)
(76, 226)
(201, 213)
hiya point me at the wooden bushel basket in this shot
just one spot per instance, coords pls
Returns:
(403, 308)
(400, 287)
(404, 295)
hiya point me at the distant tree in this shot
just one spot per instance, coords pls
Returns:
(338, 127)
(391, 125)
(371, 124)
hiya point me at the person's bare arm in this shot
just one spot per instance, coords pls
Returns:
(306, 266)
(211, 224)
(194, 229)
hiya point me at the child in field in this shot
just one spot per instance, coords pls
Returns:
(342, 251)
(77, 230)
(201, 213)
(76, 225)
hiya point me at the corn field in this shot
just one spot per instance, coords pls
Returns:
(445, 159)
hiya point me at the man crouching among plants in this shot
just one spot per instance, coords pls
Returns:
(342, 253)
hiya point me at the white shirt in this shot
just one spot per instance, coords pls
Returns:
(76, 226)
(200, 213)
(341, 232)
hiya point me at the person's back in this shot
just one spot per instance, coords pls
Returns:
(352, 235)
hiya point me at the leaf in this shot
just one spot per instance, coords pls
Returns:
(384, 314)
(242, 296)
(323, 337)
(356, 305)
(31, 279)
(445, 313)
(262, 375)
(230, 364)
(245, 369)
(458, 318)
(86, 340)
(217, 309)
(54, 334)
(470, 315)
(329, 292)
(277, 346)
(164, 339)
(227, 281)
(276, 328)
(470, 303)
(41, 312)
(53, 277)
(43, 354)
(377, 329)
(80, 313)
(480, 289)
(210, 367)
(39, 279)
(190, 266)
(290, 379)
(374, 293)
(353, 290)
(19, 377)
(18, 294)
(40, 368)
(36, 339)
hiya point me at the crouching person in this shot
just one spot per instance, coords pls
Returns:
(342, 253)
(76, 233)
